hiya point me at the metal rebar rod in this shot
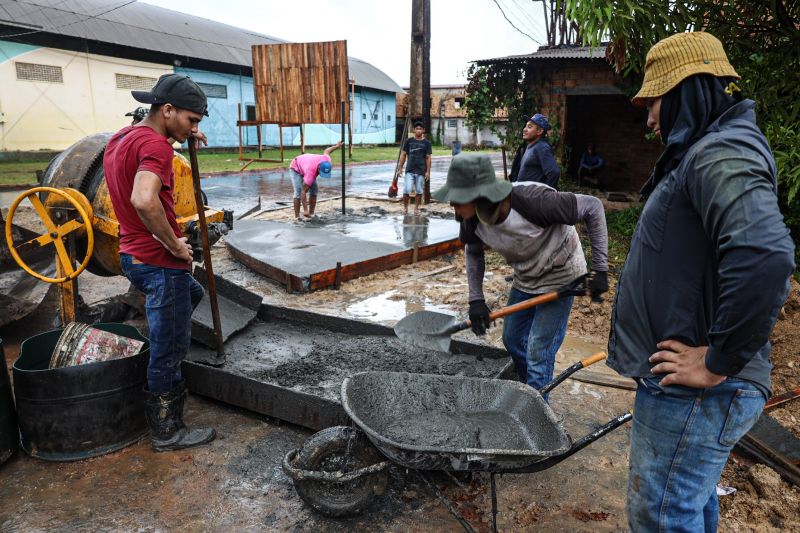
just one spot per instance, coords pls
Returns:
(201, 217)
(447, 503)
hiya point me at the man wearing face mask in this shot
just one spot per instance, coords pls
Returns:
(532, 226)
(154, 255)
(706, 275)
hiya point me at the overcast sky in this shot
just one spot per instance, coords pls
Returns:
(379, 31)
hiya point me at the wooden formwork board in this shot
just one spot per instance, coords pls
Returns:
(301, 83)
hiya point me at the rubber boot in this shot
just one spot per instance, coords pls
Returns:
(165, 418)
(312, 203)
(297, 208)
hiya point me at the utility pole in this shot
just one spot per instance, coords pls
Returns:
(419, 105)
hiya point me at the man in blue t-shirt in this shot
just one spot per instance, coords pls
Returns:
(417, 151)
(535, 160)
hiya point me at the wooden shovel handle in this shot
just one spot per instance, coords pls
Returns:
(521, 306)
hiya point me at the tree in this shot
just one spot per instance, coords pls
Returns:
(761, 38)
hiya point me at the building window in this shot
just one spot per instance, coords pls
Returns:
(458, 103)
(250, 112)
(36, 72)
(452, 123)
(214, 90)
(374, 116)
(363, 116)
(135, 83)
(388, 118)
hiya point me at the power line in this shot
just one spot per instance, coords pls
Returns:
(535, 23)
(512, 24)
(69, 23)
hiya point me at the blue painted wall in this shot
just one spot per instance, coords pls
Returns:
(9, 50)
(373, 119)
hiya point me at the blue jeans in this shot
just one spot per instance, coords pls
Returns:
(680, 442)
(413, 182)
(170, 297)
(532, 337)
(297, 185)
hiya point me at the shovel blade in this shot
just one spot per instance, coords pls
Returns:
(426, 330)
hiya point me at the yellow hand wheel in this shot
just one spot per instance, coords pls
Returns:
(59, 202)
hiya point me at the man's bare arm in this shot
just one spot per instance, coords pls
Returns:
(333, 148)
(144, 198)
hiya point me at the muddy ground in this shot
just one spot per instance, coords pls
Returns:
(236, 484)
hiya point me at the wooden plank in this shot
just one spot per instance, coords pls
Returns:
(301, 82)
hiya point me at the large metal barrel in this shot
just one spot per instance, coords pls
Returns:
(9, 434)
(76, 412)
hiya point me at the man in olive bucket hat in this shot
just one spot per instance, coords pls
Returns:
(531, 225)
(707, 272)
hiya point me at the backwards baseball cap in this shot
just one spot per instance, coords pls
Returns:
(672, 60)
(175, 89)
(139, 112)
(325, 169)
(541, 121)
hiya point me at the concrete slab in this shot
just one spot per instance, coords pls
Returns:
(291, 366)
(304, 257)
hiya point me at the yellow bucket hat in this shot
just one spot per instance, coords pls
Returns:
(672, 60)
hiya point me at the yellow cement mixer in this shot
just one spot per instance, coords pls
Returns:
(74, 206)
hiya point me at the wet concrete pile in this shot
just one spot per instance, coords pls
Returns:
(315, 360)
(453, 414)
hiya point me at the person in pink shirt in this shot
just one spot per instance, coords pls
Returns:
(304, 171)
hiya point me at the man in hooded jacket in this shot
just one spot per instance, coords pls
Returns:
(706, 275)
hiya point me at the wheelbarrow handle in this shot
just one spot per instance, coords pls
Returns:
(592, 359)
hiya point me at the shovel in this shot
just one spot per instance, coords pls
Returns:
(431, 330)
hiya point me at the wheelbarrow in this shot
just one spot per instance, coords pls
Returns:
(432, 422)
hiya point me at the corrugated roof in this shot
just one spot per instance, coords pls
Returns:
(153, 28)
(562, 52)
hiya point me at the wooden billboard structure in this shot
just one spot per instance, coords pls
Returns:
(297, 84)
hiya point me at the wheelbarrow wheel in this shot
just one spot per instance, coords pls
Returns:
(325, 451)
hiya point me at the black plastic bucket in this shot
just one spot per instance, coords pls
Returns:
(76, 412)
(9, 434)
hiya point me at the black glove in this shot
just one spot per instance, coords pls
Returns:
(479, 316)
(598, 284)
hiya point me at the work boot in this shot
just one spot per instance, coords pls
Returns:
(312, 204)
(165, 418)
(296, 208)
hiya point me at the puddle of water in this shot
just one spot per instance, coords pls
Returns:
(391, 306)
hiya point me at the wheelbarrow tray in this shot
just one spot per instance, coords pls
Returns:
(435, 422)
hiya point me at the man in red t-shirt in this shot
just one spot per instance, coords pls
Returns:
(154, 255)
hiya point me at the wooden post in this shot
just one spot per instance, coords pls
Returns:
(505, 167)
(201, 218)
(302, 140)
(239, 105)
(343, 118)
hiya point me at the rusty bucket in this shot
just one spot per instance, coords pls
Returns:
(83, 343)
(80, 411)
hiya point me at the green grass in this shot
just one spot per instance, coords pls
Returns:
(20, 173)
(229, 161)
(24, 173)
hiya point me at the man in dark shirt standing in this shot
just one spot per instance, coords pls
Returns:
(154, 255)
(534, 160)
(705, 278)
(418, 151)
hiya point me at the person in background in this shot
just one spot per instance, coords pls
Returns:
(417, 152)
(137, 115)
(534, 160)
(590, 166)
(304, 170)
(706, 275)
(532, 226)
(154, 255)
